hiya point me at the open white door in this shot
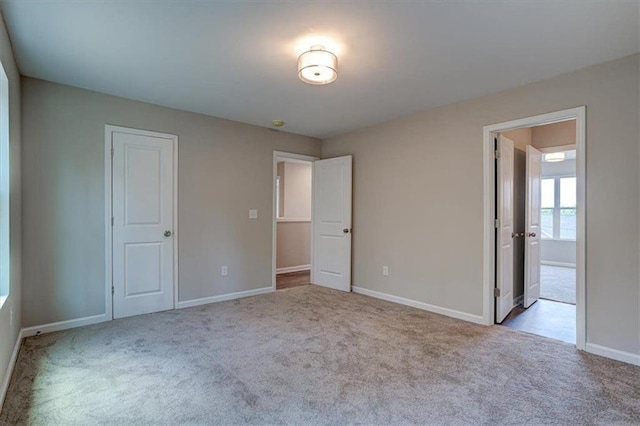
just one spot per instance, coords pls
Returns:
(143, 222)
(504, 235)
(532, 228)
(332, 223)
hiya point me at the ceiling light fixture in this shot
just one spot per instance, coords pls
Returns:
(554, 157)
(277, 123)
(317, 66)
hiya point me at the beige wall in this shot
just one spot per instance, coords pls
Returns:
(520, 137)
(9, 328)
(297, 190)
(556, 134)
(293, 244)
(224, 169)
(430, 165)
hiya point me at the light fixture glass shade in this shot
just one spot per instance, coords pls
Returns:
(317, 66)
(554, 157)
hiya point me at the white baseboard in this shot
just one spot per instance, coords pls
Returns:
(518, 300)
(477, 319)
(63, 325)
(613, 353)
(293, 269)
(563, 264)
(223, 297)
(9, 372)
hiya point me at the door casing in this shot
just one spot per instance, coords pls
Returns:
(108, 210)
(489, 242)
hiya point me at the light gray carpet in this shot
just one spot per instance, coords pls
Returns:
(558, 283)
(310, 355)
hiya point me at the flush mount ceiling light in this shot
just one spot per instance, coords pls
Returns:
(554, 157)
(277, 123)
(317, 66)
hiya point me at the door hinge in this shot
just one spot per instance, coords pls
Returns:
(113, 290)
(111, 152)
(496, 223)
(113, 221)
(496, 154)
(496, 292)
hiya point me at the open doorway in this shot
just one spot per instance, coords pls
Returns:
(550, 311)
(293, 204)
(324, 208)
(538, 243)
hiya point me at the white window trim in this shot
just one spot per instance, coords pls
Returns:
(557, 208)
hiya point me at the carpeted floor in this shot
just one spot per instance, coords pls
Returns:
(558, 283)
(310, 355)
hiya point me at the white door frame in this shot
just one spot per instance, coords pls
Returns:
(274, 228)
(108, 209)
(578, 114)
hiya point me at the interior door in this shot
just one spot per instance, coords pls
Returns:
(504, 230)
(332, 223)
(143, 241)
(532, 227)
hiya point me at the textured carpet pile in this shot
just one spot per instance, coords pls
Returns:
(558, 283)
(309, 355)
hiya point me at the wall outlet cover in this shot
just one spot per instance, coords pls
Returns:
(253, 214)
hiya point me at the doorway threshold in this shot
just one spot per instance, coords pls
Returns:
(547, 318)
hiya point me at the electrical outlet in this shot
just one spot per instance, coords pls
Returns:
(224, 271)
(385, 271)
(253, 214)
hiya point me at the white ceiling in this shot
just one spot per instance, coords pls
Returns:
(237, 60)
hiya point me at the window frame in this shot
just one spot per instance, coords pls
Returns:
(557, 208)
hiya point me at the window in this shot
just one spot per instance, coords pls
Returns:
(4, 186)
(558, 205)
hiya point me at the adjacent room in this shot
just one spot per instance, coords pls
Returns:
(236, 212)
(293, 222)
(544, 266)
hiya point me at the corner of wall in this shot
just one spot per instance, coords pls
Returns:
(11, 312)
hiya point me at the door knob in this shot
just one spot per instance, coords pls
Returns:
(532, 234)
(346, 230)
(167, 233)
